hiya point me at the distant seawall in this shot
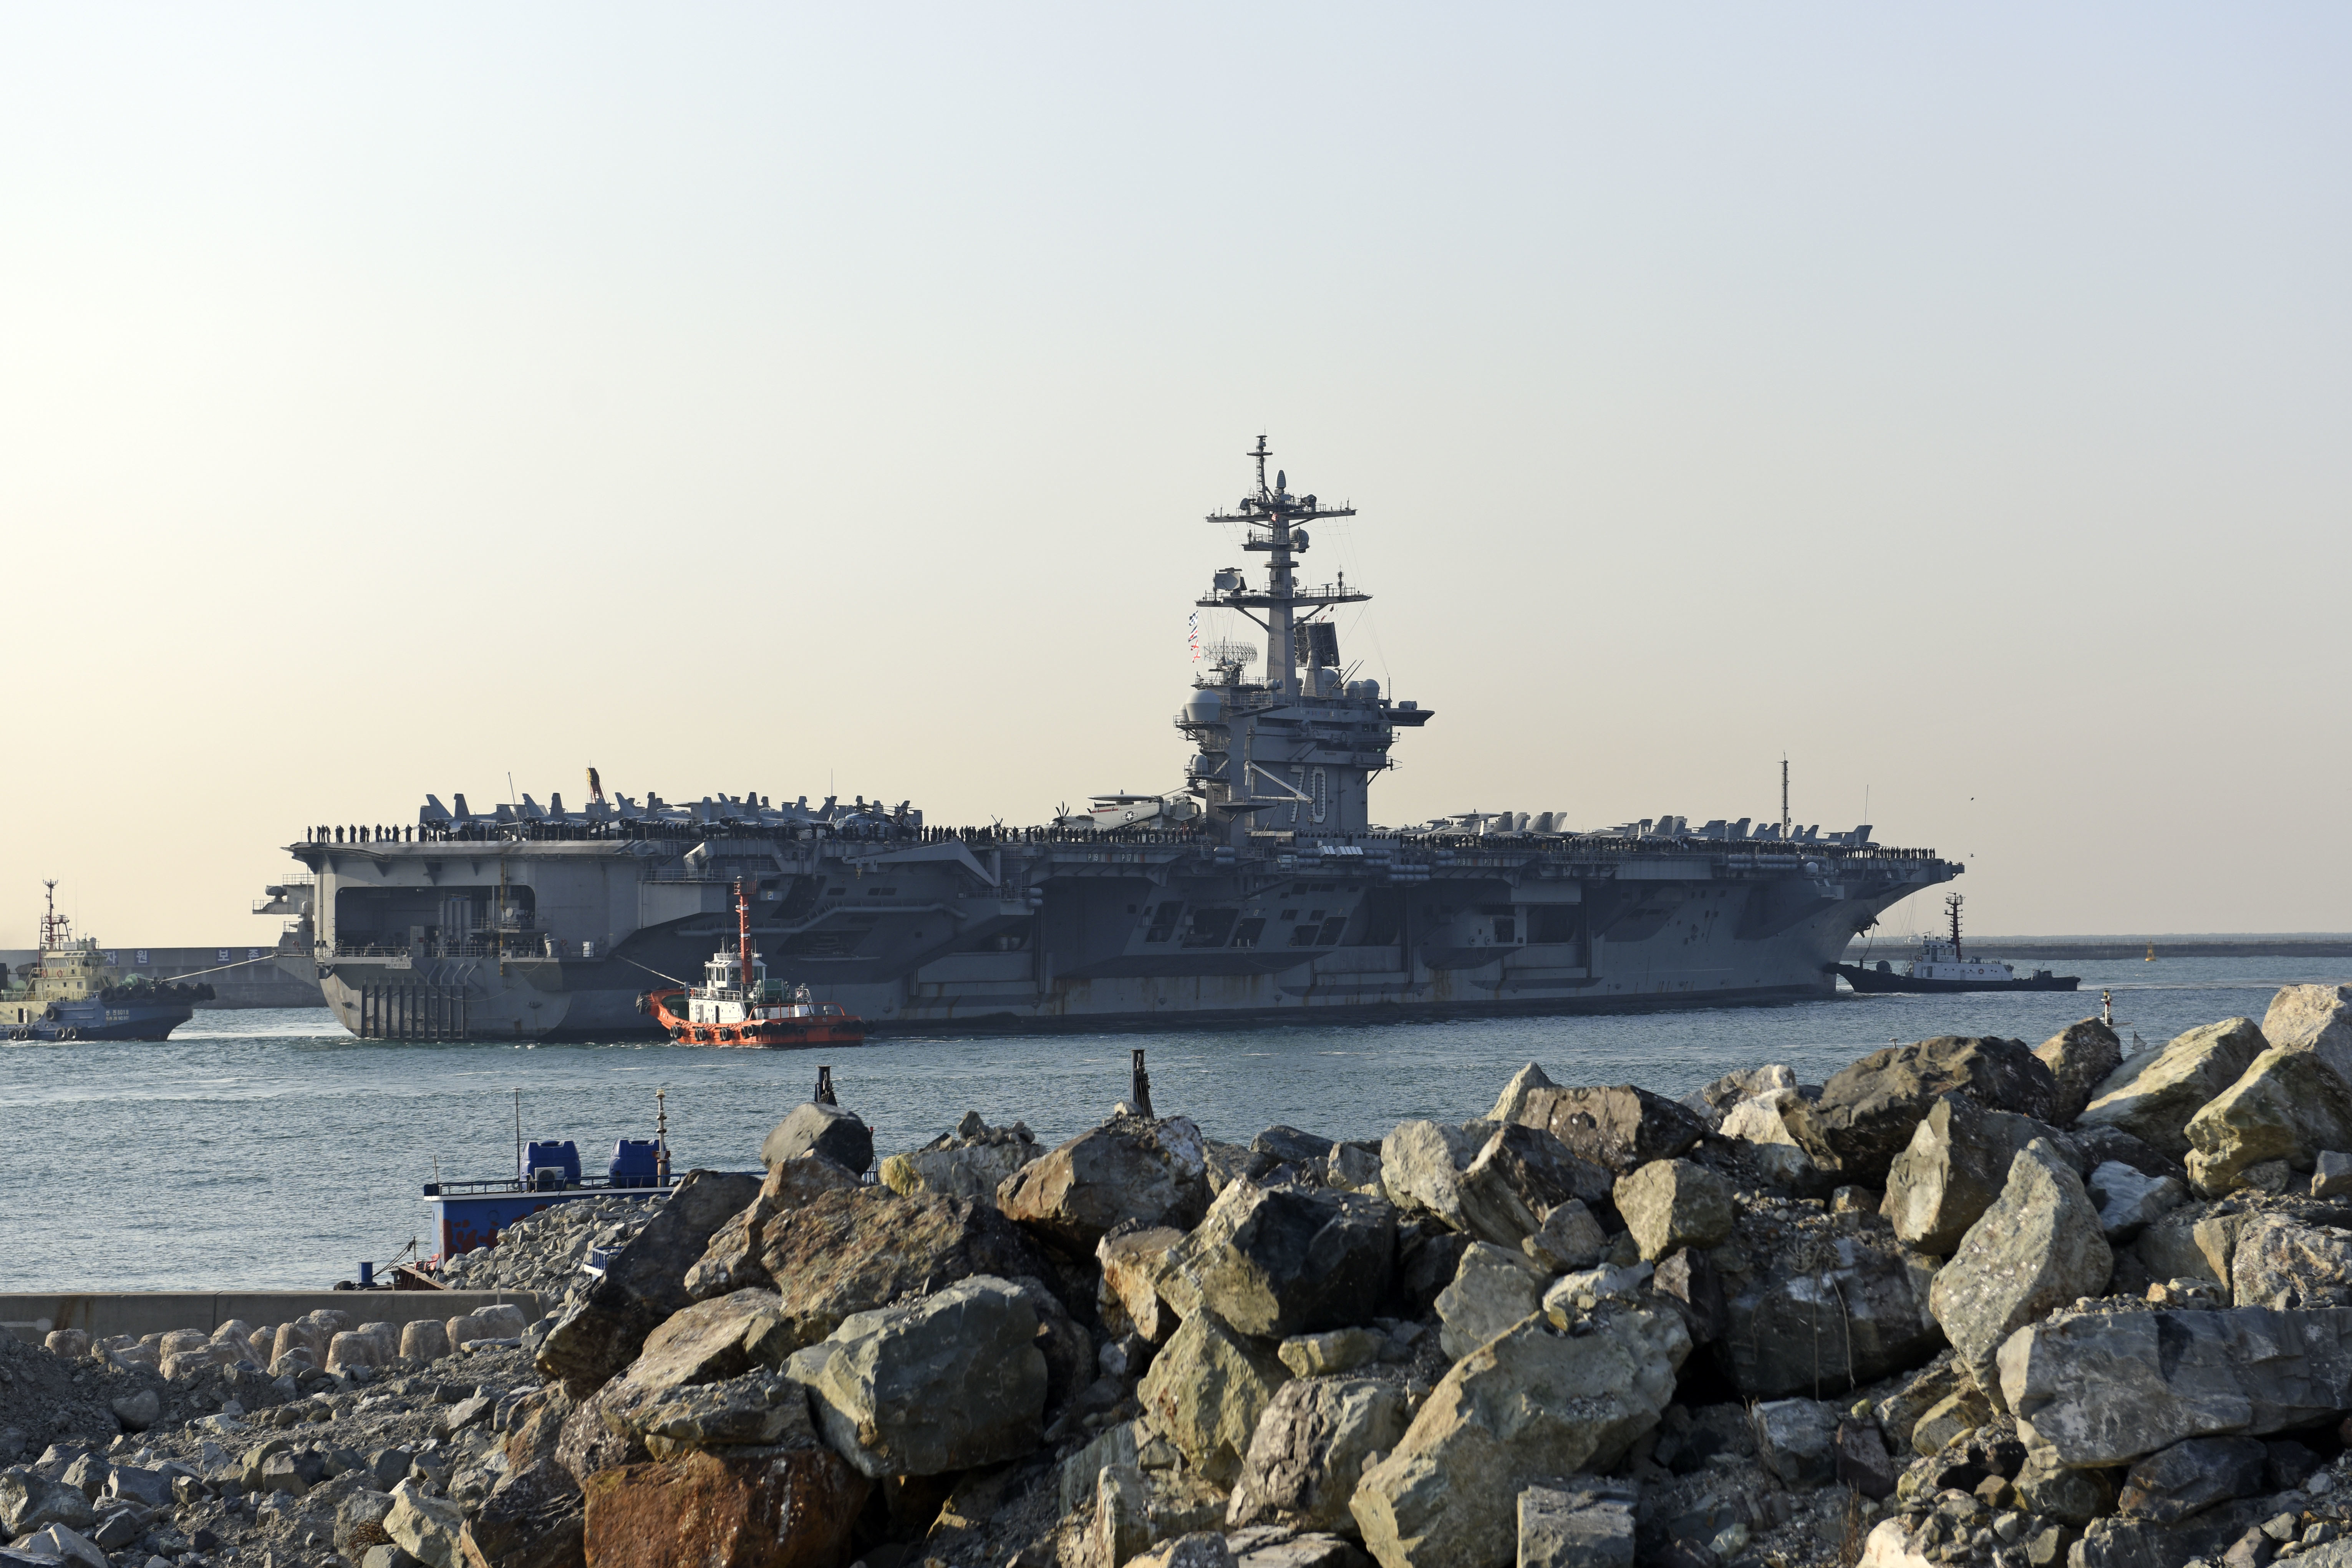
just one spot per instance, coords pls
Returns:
(2083, 947)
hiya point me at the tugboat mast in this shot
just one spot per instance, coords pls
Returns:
(1952, 903)
(1273, 515)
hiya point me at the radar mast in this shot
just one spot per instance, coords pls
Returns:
(1273, 515)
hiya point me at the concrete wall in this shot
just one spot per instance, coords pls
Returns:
(102, 1315)
(249, 984)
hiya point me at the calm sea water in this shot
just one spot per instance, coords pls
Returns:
(271, 1150)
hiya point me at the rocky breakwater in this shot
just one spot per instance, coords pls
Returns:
(1967, 1301)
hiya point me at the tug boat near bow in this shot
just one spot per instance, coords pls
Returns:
(738, 1004)
(1942, 966)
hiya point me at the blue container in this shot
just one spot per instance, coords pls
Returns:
(538, 1158)
(636, 1163)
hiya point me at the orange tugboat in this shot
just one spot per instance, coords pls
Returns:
(738, 1004)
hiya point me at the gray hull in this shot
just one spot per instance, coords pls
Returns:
(924, 937)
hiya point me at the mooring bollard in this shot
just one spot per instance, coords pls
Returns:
(825, 1086)
(1140, 1094)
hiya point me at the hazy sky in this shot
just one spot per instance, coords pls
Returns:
(745, 398)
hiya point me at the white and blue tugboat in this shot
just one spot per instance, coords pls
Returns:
(72, 994)
(1942, 965)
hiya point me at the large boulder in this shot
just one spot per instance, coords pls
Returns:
(2313, 1018)
(1617, 1128)
(2130, 1200)
(2287, 1105)
(2275, 1261)
(2104, 1388)
(1519, 1175)
(1714, 1101)
(1577, 1522)
(1814, 1312)
(949, 1382)
(760, 1508)
(703, 1342)
(971, 1162)
(1422, 1165)
(1130, 1167)
(1310, 1450)
(1522, 1410)
(1764, 1119)
(1671, 1203)
(1796, 1439)
(425, 1526)
(1283, 1261)
(731, 1261)
(827, 1129)
(1133, 1259)
(30, 1500)
(1494, 1289)
(1867, 1111)
(2080, 1057)
(2192, 1476)
(847, 1252)
(2153, 1095)
(759, 1408)
(1954, 1167)
(599, 1333)
(1206, 1391)
(2037, 1249)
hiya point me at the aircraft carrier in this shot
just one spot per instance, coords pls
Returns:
(1258, 890)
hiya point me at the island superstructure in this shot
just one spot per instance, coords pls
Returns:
(1259, 889)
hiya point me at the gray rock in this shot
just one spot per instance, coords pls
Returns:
(1206, 1391)
(1859, 1457)
(1422, 1164)
(1867, 1112)
(2072, 1497)
(1569, 1237)
(1953, 1169)
(757, 1408)
(138, 1411)
(2105, 1388)
(1796, 1439)
(1821, 1316)
(2331, 1174)
(2079, 1056)
(949, 1382)
(56, 1543)
(1515, 1093)
(425, 1527)
(2130, 1542)
(1671, 1203)
(358, 1522)
(423, 1340)
(29, 1500)
(2037, 1249)
(1281, 1145)
(2278, 1262)
(1353, 1168)
(1494, 1289)
(2130, 1201)
(1715, 1100)
(1518, 1177)
(2286, 1105)
(1330, 1355)
(1133, 1259)
(149, 1488)
(971, 1170)
(1129, 1168)
(1523, 1410)
(1277, 1261)
(2313, 1018)
(1617, 1129)
(1269, 1547)
(812, 1128)
(2192, 1476)
(1201, 1549)
(1310, 1450)
(599, 1333)
(2153, 1095)
(1579, 1522)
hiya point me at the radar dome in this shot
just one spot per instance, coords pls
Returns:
(1206, 707)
